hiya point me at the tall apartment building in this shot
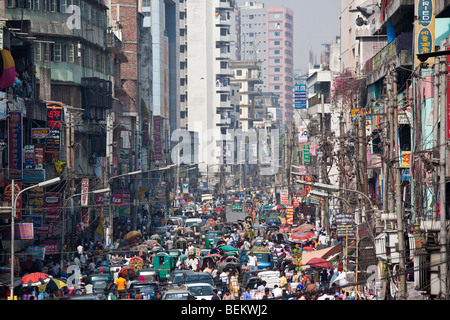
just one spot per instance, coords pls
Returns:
(266, 34)
(208, 74)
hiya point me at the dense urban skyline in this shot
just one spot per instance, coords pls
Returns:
(318, 29)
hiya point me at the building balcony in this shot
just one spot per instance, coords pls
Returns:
(398, 51)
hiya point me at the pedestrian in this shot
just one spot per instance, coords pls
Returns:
(234, 284)
(283, 283)
(227, 295)
(262, 286)
(277, 291)
(121, 286)
(215, 295)
(267, 295)
(247, 295)
(252, 261)
(245, 267)
(310, 286)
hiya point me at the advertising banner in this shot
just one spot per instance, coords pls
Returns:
(52, 206)
(300, 95)
(290, 215)
(424, 29)
(84, 191)
(54, 119)
(15, 145)
(345, 224)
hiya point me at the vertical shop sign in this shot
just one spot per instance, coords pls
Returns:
(54, 118)
(84, 191)
(15, 148)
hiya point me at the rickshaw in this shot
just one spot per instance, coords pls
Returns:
(156, 237)
(229, 262)
(164, 263)
(210, 236)
(197, 233)
(181, 243)
(209, 261)
(237, 205)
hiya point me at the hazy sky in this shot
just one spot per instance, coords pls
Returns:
(315, 22)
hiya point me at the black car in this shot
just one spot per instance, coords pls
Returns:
(196, 277)
(175, 277)
(151, 289)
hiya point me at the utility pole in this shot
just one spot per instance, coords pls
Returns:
(363, 151)
(442, 179)
(324, 176)
(385, 151)
(342, 178)
(398, 193)
(290, 150)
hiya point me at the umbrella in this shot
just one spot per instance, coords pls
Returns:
(54, 285)
(35, 279)
(300, 236)
(278, 207)
(130, 236)
(319, 263)
(308, 248)
(303, 228)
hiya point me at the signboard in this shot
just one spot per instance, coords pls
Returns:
(406, 159)
(303, 135)
(8, 198)
(33, 176)
(29, 156)
(185, 188)
(84, 191)
(345, 224)
(306, 154)
(39, 157)
(284, 196)
(290, 215)
(40, 133)
(15, 147)
(424, 32)
(300, 95)
(54, 119)
(52, 206)
(35, 220)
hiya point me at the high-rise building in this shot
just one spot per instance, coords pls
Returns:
(266, 34)
(208, 73)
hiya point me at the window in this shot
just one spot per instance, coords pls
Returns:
(37, 52)
(57, 53)
(239, 72)
(46, 51)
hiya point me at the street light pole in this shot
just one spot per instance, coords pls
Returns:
(109, 234)
(14, 199)
(64, 217)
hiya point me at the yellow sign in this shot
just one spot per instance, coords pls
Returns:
(406, 159)
(424, 29)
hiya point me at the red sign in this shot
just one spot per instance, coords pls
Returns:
(8, 198)
(117, 199)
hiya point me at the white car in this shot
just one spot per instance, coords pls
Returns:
(201, 291)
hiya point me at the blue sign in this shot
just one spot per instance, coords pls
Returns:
(300, 96)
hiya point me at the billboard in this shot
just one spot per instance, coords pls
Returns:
(424, 29)
(300, 95)
(54, 119)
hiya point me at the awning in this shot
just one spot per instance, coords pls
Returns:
(323, 253)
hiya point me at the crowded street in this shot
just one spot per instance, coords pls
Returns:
(226, 248)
